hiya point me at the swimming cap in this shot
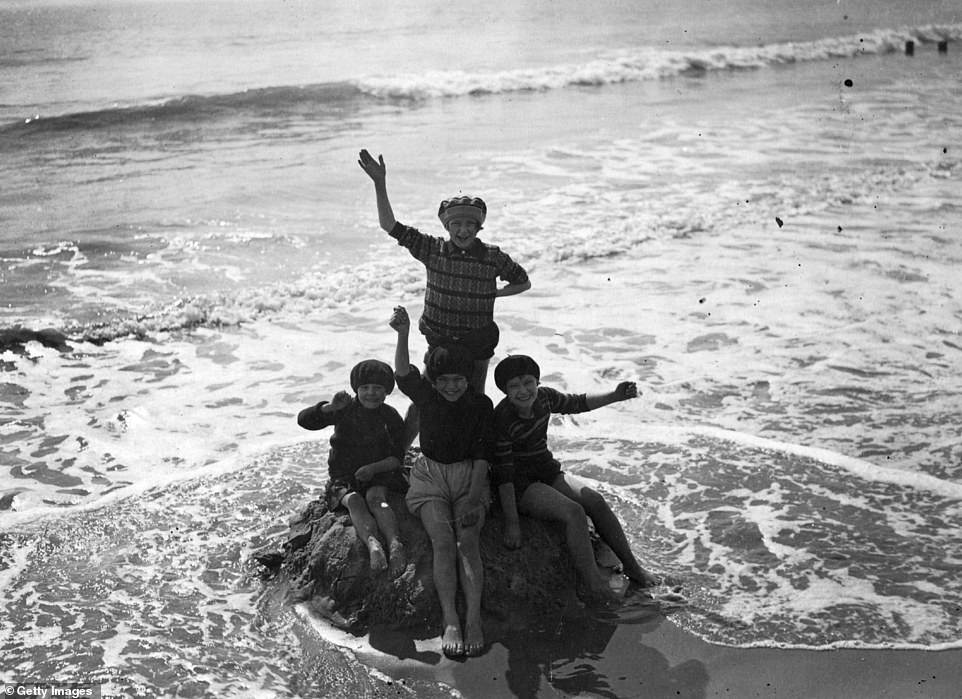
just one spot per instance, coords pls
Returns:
(469, 207)
(372, 371)
(454, 359)
(513, 366)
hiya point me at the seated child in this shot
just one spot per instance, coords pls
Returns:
(531, 481)
(462, 273)
(365, 458)
(449, 484)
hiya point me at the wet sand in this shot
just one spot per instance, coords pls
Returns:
(647, 656)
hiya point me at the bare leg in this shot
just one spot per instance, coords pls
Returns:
(472, 583)
(366, 528)
(606, 524)
(386, 521)
(437, 519)
(544, 502)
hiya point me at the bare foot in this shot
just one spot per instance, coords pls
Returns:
(474, 639)
(378, 559)
(398, 558)
(452, 645)
(643, 578)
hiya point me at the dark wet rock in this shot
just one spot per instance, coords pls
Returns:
(15, 339)
(324, 564)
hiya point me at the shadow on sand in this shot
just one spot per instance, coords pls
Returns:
(577, 653)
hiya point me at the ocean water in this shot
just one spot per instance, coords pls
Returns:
(750, 208)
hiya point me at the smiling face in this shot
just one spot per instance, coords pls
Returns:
(371, 395)
(451, 386)
(521, 392)
(463, 231)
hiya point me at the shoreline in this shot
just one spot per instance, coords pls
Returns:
(651, 657)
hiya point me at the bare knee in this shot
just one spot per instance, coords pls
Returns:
(572, 514)
(469, 542)
(443, 542)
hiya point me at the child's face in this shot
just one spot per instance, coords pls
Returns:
(371, 395)
(451, 386)
(463, 231)
(522, 391)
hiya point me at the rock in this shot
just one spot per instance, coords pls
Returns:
(325, 564)
(16, 338)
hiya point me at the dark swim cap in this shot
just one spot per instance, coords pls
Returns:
(512, 366)
(372, 371)
(469, 207)
(454, 359)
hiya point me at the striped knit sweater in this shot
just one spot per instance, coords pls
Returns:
(523, 442)
(461, 284)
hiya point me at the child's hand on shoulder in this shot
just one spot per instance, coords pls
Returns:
(626, 390)
(400, 320)
(375, 169)
(341, 400)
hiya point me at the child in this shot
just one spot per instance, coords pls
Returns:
(530, 481)
(365, 458)
(449, 483)
(461, 273)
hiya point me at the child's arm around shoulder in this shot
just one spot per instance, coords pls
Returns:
(322, 415)
(377, 171)
(626, 390)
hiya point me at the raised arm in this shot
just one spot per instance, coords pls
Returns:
(376, 170)
(402, 325)
(626, 390)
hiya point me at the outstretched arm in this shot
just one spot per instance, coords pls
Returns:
(376, 170)
(626, 390)
(402, 325)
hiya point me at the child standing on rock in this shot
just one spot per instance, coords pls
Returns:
(462, 273)
(365, 459)
(449, 488)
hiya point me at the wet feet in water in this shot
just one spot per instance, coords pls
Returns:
(643, 578)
